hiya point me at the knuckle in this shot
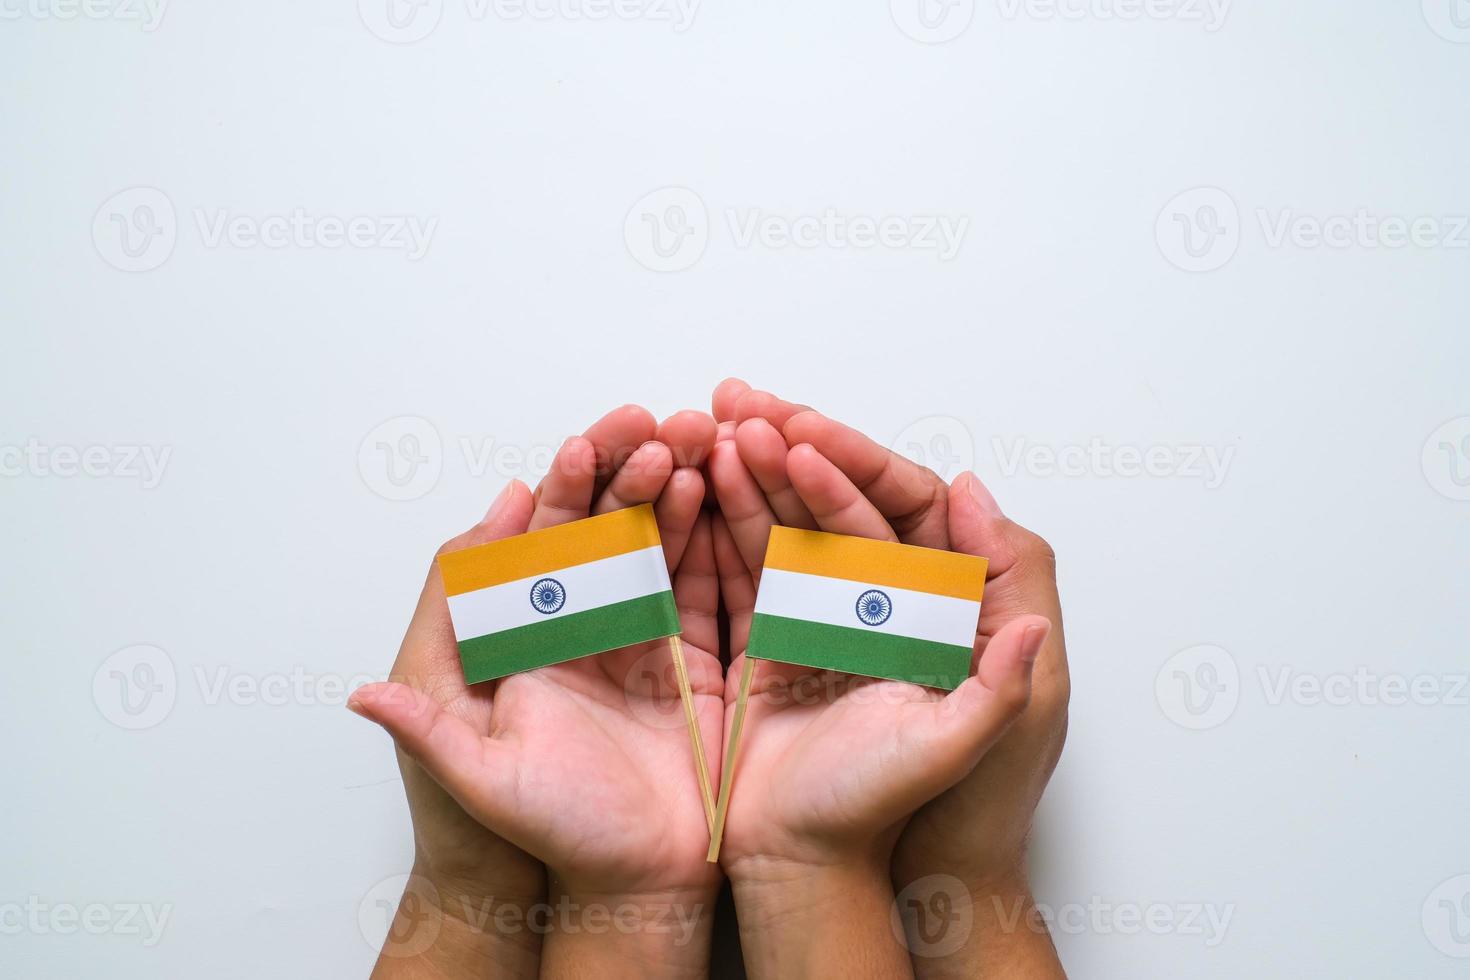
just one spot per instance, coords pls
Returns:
(1035, 551)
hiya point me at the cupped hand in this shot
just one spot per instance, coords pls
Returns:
(831, 765)
(576, 764)
(978, 829)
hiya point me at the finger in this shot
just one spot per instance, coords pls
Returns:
(566, 493)
(910, 497)
(836, 504)
(639, 480)
(476, 771)
(677, 510)
(977, 527)
(764, 405)
(697, 588)
(689, 436)
(742, 504)
(1021, 579)
(727, 394)
(974, 716)
(428, 658)
(738, 595)
(737, 588)
(616, 436)
(764, 453)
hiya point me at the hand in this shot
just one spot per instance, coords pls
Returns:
(832, 765)
(566, 766)
(976, 831)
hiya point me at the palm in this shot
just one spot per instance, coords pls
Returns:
(604, 775)
(835, 765)
(578, 763)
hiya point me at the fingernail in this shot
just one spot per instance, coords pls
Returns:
(1031, 642)
(355, 706)
(982, 496)
(499, 503)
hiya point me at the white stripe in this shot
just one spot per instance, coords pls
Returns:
(593, 584)
(833, 601)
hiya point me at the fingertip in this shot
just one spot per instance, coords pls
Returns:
(634, 413)
(726, 394)
(799, 427)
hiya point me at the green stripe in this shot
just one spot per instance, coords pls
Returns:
(569, 637)
(858, 651)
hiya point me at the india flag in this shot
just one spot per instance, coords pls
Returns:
(867, 607)
(559, 593)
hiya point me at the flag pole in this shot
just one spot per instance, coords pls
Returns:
(727, 772)
(696, 740)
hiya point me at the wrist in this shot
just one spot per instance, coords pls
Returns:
(447, 927)
(975, 926)
(799, 919)
(658, 933)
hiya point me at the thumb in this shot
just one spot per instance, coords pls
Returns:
(471, 768)
(976, 714)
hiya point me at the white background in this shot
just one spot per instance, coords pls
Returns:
(1333, 540)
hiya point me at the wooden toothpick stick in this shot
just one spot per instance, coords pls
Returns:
(727, 772)
(701, 764)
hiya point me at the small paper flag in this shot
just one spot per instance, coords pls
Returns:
(867, 607)
(558, 594)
